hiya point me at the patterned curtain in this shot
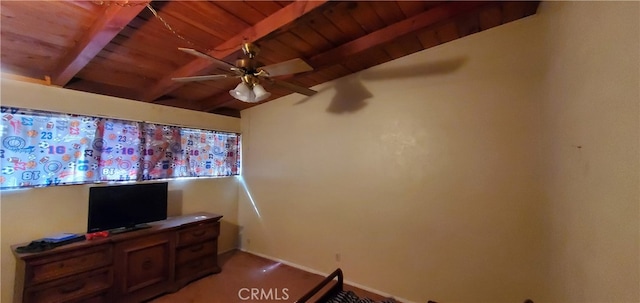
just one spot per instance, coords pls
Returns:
(45, 149)
(210, 153)
(116, 148)
(40, 149)
(162, 152)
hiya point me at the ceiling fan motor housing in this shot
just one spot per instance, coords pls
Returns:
(250, 49)
(249, 65)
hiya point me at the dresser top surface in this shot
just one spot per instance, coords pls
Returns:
(156, 227)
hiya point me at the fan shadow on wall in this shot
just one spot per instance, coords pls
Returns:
(351, 95)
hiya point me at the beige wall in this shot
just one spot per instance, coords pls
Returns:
(591, 126)
(464, 185)
(33, 213)
(428, 190)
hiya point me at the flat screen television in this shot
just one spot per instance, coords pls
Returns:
(123, 208)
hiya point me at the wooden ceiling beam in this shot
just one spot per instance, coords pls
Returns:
(110, 22)
(180, 103)
(261, 29)
(207, 104)
(393, 31)
(101, 88)
(384, 35)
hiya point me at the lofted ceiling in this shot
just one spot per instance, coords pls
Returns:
(130, 50)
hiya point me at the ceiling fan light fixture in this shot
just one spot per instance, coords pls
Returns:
(260, 93)
(243, 93)
(251, 72)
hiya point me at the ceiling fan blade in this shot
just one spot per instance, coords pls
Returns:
(200, 78)
(203, 55)
(296, 88)
(292, 66)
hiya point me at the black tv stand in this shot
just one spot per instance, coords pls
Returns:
(122, 230)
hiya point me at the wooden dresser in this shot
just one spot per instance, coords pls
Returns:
(127, 267)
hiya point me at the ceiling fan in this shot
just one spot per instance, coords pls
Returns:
(251, 72)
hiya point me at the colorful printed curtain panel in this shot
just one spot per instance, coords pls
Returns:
(45, 149)
(209, 153)
(162, 152)
(116, 150)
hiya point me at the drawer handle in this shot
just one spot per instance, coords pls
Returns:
(147, 264)
(72, 288)
(197, 248)
(199, 233)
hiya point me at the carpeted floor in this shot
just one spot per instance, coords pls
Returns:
(244, 273)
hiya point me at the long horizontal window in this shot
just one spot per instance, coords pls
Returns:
(44, 149)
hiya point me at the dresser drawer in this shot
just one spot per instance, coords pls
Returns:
(67, 264)
(195, 251)
(198, 267)
(81, 288)
(198, 233)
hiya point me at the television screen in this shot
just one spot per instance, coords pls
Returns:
(126, 206)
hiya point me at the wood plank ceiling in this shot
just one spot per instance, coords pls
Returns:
(129, 49)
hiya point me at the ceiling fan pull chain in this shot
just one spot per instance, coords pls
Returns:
(168, 26)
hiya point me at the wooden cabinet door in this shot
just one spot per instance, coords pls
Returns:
(146, 266)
